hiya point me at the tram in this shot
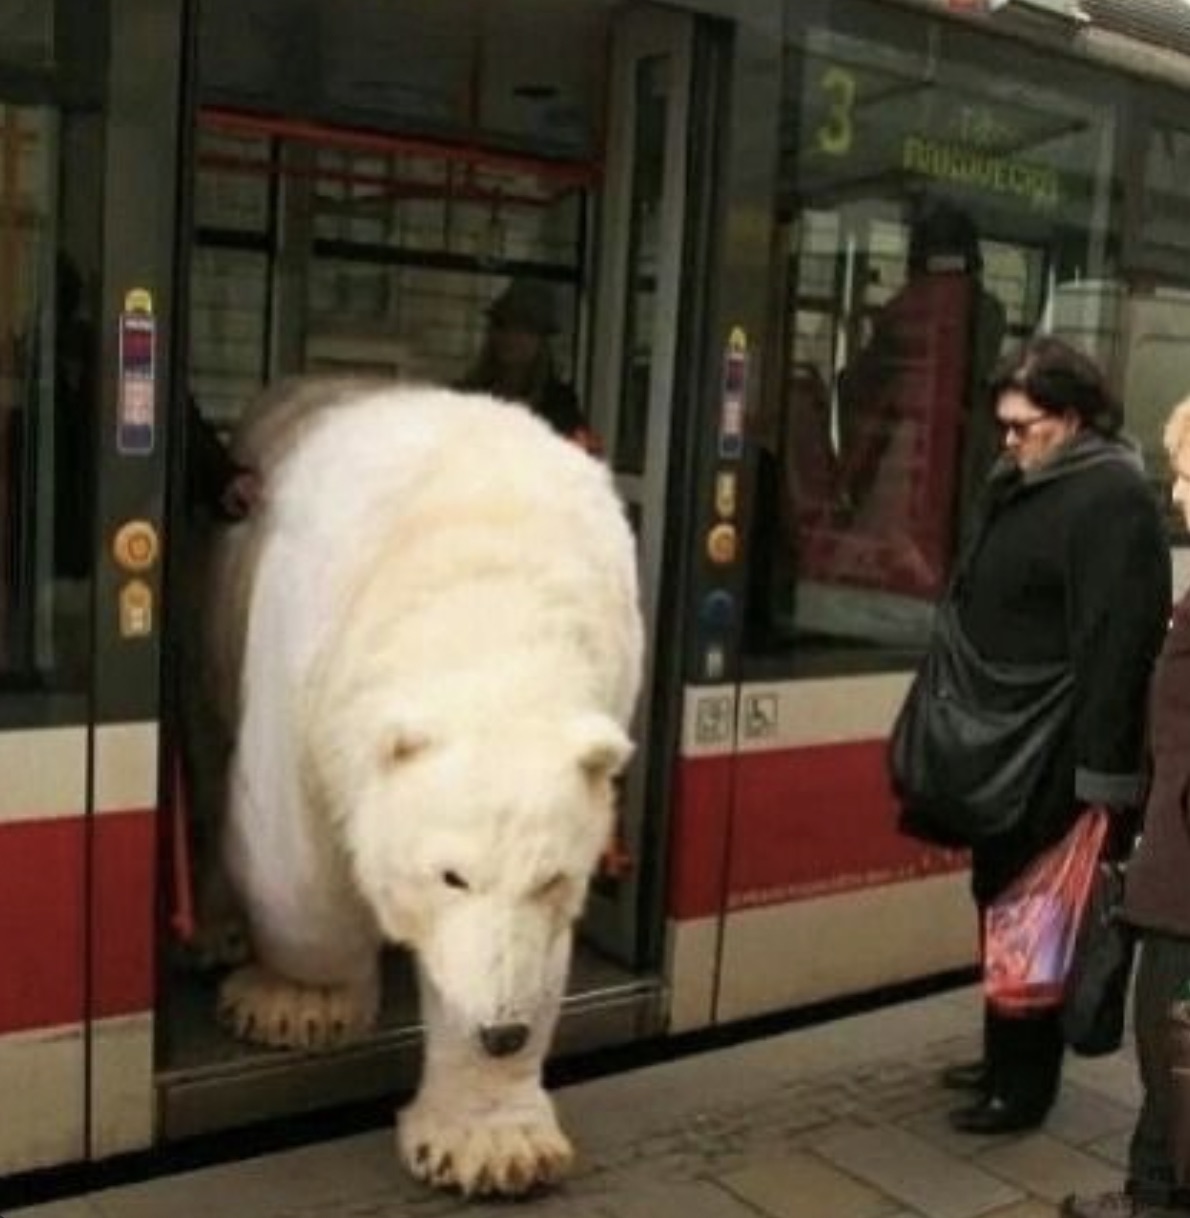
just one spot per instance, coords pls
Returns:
(785, 238)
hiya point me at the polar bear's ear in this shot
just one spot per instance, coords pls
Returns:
(603, 748)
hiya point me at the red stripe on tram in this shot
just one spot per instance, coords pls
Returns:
(43, 925)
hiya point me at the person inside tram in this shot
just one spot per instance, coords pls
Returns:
(887, 381)
(517, 364)
(214, 481)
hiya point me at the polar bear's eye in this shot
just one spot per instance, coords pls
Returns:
(452, 879)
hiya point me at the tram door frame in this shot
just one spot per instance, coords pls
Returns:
(635, 357)
(84, 805)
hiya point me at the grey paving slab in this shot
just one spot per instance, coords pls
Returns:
(71, 1208)
(934, 1126)
(800, 1185)
(695, 1199)
(884, 1035)
(1048, 1168)
(918, 1174)
(1112, 1149)
(1082, 1116)
(1114, 1076)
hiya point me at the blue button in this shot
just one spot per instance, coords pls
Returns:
(718, 610)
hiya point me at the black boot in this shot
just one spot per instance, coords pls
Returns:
(1025, 1056)
(995, 1114)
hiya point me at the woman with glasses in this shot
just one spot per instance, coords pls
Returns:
(1067, 565)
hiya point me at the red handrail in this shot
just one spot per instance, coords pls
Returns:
(234, 122)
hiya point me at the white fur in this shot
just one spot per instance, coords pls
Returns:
(441, 659)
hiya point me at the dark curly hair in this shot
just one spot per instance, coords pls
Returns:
(1056, 378)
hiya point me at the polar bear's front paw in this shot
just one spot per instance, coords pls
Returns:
(500, 1153)
(262, 1006)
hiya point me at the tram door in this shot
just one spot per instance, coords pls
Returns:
(634, 348)
(88, 122)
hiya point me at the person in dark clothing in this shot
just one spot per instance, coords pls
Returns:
(516, 362)
(1067, 562)
(1157, 903)
(75, 392)
(920, 384)
(214, 480)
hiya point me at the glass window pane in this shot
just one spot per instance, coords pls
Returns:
(937, 203)
(398, 243)
(232, 187)
(228, 316)
(648, 180)
(47, 416)
(27, 33)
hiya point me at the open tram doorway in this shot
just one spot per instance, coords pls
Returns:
(362, 190)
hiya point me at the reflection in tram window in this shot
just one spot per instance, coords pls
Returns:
(931, 213)
(1157, 375)
(27, 35)
(648, 178)
(1154, 315)
(47, 440)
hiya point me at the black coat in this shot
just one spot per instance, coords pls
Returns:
(1070, 562)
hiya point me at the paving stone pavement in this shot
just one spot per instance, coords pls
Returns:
(846, 1120)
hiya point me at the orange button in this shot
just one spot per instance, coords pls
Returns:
(722, 544)
(135, 546)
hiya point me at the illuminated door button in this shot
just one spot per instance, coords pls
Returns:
(721, 544)
(135, 546)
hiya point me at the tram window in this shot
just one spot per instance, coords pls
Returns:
(1157, 375)
(325, 254)
(228, 318)
(1154, 309)
(237, 199)
(27, 34)
(648, 177)
(47, 405)
(397, 242)
(931, 210)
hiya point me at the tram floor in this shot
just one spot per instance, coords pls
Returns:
(191, 1038)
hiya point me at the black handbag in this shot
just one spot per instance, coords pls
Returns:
(974, 738)
(1096, 990)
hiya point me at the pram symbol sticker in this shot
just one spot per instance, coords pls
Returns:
(712, 722)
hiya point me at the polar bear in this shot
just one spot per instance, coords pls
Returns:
(428, 642)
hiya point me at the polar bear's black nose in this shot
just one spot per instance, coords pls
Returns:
(503, 1039)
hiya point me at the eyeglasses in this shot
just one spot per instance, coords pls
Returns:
(1019, 429)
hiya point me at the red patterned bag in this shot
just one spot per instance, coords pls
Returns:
(1031, 927)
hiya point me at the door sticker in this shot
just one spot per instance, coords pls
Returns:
(136, 610)
(735, 384)
(137, 398)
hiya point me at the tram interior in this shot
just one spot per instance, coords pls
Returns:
(428, 155)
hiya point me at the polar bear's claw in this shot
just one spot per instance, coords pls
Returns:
(484, 1156)
(266, 1008)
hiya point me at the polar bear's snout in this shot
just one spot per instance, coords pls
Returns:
(503, 1039)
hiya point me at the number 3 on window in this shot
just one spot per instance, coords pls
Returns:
(835, 136)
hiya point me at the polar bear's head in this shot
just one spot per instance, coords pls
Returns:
(476, 851)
